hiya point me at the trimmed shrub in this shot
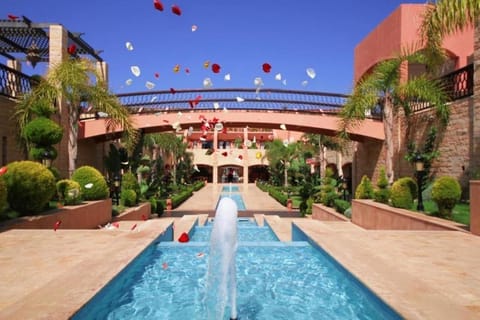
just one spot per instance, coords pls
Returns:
(37, 152)
(278, 195)
(341, 205)
(328, 189)
(3, 195)
(43, 131)
(364, 189)
(30, 186)
(130, 182)
(92, 184)
(198, 185)
(411, 184)
(401, 195)
(153, 205)
(68, 192)
(446, 192)
(128, 198)
(382, 193)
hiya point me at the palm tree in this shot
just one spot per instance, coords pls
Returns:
(168, 145)
(382, 88)
(71, 81)
(278, 153)
(444, 17)
(319, 144)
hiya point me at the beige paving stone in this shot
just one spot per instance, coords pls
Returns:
(421, 274)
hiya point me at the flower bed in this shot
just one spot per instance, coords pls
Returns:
(87, 215)
(323, 213)
(140, 212)
(369, 214)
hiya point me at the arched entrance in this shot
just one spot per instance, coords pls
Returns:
(204, 172)
(230, 173)
(258, 172)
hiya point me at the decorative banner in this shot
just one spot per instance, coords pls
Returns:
(258, 155)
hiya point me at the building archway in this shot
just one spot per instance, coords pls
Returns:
(258, 172)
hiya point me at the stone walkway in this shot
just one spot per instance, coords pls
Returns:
(421, 274)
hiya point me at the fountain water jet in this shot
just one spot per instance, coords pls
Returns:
(221, 287)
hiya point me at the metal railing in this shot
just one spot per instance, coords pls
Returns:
(457, 85)
(13, 83)
(239, 99)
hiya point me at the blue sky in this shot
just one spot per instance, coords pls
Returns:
(240, 36)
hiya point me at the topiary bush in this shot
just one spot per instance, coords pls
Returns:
(401, 194)
(128, 198)
(129, 181)
(411, 184)
(92, 184)
(382, 192)
(69, 192)
(328, 189)
(3, 194)
(30, 186)
(446, 192)
(364, 189)
(43, 131)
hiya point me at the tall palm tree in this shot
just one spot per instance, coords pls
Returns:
(444, 17)
(319, 144)
(279, 153)
(75, 81)
(171, 146)
(382, 88)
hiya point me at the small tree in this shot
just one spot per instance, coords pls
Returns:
(364, 189)
(446, 192)
(382, 192)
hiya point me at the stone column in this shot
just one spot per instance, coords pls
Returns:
(475, 207)
(57, 53)
(245, 156)
(13, 81)
(215, 157)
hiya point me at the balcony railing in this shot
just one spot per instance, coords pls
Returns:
(457, 85)
(13, 83)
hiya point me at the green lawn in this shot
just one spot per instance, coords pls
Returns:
(460, 214)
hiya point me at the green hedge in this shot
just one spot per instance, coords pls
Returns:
(446, 192)
(30, 186)
(278, 195)
(179, 198)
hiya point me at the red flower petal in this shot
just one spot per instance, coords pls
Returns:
(215, 68)
(3, 170)
(57, 224)
(158, 5)
(72, 49)
(176, 10)
(266, 67)
(184, 237)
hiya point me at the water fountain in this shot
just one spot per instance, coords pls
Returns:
(221, 286)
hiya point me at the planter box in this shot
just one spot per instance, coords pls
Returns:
(324, 213)
(475, 207)
(369, 214)
(88, 215)
(140, 212)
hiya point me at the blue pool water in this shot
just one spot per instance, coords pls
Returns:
(246, 232)
(236, 197)
(230, 189)
(275, 280)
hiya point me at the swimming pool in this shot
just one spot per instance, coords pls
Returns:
(230, 188)
(235, 197)
(246, 232)
(275, 280)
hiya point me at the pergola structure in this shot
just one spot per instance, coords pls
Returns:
(23, 40)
